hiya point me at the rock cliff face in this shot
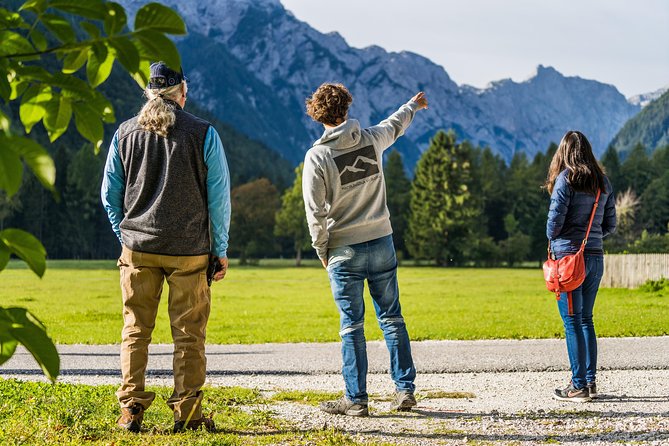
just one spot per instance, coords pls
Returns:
(646, 98)
(252, 63)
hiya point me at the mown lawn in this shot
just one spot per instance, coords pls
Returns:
(67, 414)
(80, 302)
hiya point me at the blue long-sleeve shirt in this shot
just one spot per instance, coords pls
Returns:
(218, 190)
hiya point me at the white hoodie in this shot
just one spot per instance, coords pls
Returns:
(342, 183)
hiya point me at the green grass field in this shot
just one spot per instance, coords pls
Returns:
(76, 414)
(80, 302)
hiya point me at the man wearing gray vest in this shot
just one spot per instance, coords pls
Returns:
(166, 190)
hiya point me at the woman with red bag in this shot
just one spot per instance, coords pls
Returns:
(581, 199)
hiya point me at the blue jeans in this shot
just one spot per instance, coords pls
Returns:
(579, 330)
(348, 267)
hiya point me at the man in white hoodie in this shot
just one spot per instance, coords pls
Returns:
(345, 201)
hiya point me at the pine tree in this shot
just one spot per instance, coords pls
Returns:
(611, 162)
(291, 219)
(443, 212)
(398, 192)
(654, 212)
(638, 169)
(488, 173)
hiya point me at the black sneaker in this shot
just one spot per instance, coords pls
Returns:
(571, 393)
(343, 406)
(592, 389)
(403, 401)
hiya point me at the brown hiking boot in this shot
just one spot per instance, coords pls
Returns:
(131, 418)
(204, 422)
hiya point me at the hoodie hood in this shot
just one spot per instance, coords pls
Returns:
(344, 136)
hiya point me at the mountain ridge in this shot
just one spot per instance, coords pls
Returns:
(649, 128)
(253, 63)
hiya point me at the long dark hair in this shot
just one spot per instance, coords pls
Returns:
(575, 154)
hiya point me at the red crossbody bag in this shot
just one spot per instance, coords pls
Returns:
(568, 273)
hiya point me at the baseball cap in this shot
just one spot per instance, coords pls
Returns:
(163, 76)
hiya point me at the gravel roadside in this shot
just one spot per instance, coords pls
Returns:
(509, 385)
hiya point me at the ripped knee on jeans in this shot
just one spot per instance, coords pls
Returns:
(391, 320)
(352, 328)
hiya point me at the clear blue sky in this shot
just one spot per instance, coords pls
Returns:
(620, 42)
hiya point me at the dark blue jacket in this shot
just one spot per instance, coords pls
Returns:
(569, 214)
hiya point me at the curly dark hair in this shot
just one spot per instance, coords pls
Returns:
(329, 104)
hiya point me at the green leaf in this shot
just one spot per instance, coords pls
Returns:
(116, 19)
(60, 27)
(18, 87)
(88, 124)
(36, 157)
(11, 169)
(92, 9)
(13, 44)
(99, 66)
(75, 60)
(154, 45)
(91, 29)
(102, 107)
(58, 115)
(142, 75)
(33, 102)
(5, 89)
(35, 5)
(4, 122)
(4, 256)
(72, 86)
(27, 247)
(38, 40)
(11, 19)
(126, 53)
(156, 17)
(33, 72)
(7, 342)
(30, 332)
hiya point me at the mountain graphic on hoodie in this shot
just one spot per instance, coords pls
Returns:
(356, 165)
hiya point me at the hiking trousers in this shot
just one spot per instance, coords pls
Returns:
(142, 278)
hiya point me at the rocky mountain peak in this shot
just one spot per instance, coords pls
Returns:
(257, 62)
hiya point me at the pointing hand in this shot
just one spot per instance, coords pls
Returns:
(421, 100)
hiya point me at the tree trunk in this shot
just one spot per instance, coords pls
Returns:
(298, 257)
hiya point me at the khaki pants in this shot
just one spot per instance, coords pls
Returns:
(142, 277)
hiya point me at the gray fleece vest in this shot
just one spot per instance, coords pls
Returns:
(165, 202)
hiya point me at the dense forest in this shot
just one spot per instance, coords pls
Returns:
(463, 205)
(466, 206)
(650, 127)
(72, 223)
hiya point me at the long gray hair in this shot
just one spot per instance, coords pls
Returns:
(157, 114)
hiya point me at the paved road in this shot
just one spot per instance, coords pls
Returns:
(321, 359)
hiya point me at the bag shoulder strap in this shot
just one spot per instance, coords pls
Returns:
(592, 217)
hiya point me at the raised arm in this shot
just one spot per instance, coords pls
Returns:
(391, 128)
